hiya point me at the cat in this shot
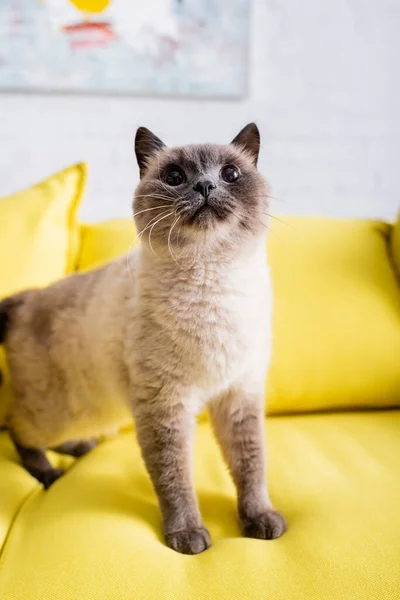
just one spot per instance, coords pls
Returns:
(180, 324)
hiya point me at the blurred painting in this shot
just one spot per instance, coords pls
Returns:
(166, 47)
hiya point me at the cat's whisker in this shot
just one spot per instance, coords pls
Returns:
(266, 226)
(276, 219)
(153, 208)
(236, 215)
(269, 196)
(148, 225)
(151, 229)
(263, 224)
(150, 244)
(278, 199)
(169, 241)
(137, 237)
(151, 223)
(161, 196)
(180, 227)
(267, 215)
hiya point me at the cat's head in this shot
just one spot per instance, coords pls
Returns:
(196, 194)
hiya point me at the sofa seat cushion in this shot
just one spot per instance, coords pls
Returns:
(97, 532)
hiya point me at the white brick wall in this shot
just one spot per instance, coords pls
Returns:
(325, 91)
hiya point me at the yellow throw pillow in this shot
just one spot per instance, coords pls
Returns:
(336, 325)
(395, 245)
(103, 242)
(39, 235)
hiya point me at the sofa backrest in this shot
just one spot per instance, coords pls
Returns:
(336, 318)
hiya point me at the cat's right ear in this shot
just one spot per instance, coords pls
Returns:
(146, 146)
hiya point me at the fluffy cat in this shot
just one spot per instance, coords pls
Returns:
(180, 324)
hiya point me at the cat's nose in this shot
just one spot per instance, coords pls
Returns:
(204, 187)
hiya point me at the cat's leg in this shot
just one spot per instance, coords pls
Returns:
(76, 448)
(165, 434)
(37, 464)
(238, 421)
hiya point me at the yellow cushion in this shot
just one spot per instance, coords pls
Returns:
(336, 318)
(39, 235)
(103, 242)
(38, 242)
(395, 245)
(97, 532)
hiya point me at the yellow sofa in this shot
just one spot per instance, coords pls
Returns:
(333, 398)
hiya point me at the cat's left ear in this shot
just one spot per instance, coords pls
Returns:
(146, 146)
(248, 139)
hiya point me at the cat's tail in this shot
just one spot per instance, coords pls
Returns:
(7, 307)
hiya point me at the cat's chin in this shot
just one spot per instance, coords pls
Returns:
(204, 218)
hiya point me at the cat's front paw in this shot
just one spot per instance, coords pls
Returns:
(189, 541)
(267, 526)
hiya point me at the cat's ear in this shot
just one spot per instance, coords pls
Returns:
(248, 139)
(146, 146)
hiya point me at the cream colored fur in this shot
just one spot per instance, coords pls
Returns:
(177, 325)
(204, 330)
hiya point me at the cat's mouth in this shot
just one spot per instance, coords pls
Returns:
(206, 213)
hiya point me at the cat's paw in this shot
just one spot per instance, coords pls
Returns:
(48, 477)
(267, 526)
(189, 541)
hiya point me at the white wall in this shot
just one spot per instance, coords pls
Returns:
(325, 91)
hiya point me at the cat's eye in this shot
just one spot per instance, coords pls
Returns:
(174, 176)
(230, 174)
